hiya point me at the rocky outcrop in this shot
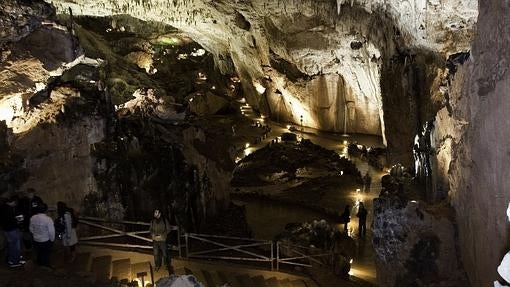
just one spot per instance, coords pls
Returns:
(473, 148)
(20, 18)
(53, 124)
(26, 68)
(415, 244)
(57, 149)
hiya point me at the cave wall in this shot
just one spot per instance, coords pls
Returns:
(415, 244)
(477, 131)
(59, 162)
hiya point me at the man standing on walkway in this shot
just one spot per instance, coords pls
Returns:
(159, 230)
(10, 227)
(362, 216)
(367, 181)
(43, 232)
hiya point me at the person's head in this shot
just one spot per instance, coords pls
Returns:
(30, 192)
(61, 208)
(157, 213)
(13, 200)
(347, 207)
(42, 208)
(361, 205)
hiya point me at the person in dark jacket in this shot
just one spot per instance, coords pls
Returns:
(10, 221)
(362, 216)
(345, 217)
(159, 230)
(28, 205)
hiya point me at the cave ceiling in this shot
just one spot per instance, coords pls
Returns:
(312, 58)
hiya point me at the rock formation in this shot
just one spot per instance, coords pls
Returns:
(404, 70)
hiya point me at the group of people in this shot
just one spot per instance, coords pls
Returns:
(345, 218)
(26, 225)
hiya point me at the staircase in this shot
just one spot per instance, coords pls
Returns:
(107, 265)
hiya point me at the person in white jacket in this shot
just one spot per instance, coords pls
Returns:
(43, 232)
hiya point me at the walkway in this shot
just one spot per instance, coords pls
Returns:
(364, 264)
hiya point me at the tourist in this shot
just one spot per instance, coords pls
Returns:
(67, 223)
(345, 217)
(362, 216)
(367, 181)
(43, 232)
(9, 219)
(28, 204)
(159, 230)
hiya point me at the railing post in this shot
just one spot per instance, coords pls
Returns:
(277, 255)
(179, 241)
(272, 255)
(332, 265)
(187, 245)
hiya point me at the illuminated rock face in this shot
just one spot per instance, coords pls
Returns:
(472, 146)
(26, 67)
(316, 59)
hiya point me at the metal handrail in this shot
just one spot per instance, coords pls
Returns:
(289, 260)
(90, 221)
(248, 255)
(112, 235)
(228, 237)
(123, 233)
(230, 248)
(90, 218)
(207, 238)
(227, 247)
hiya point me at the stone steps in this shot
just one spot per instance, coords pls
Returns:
(106, 268)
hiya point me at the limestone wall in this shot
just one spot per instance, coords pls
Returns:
(480, 137)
